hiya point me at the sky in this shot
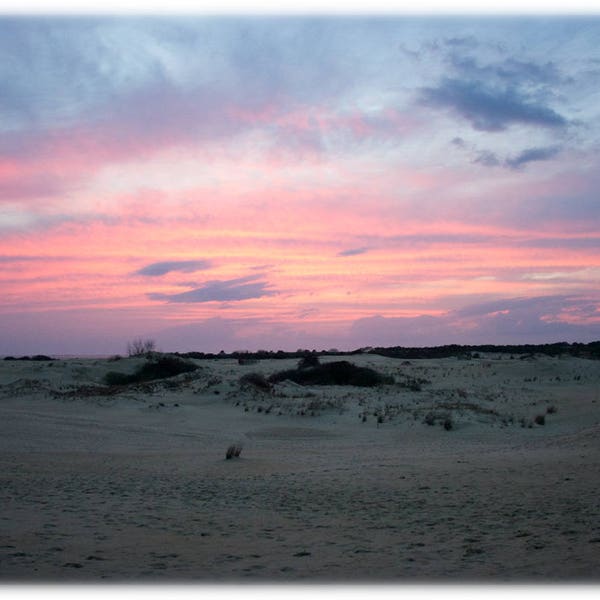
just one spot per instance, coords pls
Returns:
(255, 182)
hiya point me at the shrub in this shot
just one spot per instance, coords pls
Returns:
(309, 361)
(448, 424)
(114, 378)
(164, 366)
(551, 410)
(334, 373)
(540, 420)
(255, 380)
(140, 347)
(247, 361)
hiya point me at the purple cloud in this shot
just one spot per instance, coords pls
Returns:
(183, 266)
(232, 290)
(490, 108)
(531, 155)
(353, 251)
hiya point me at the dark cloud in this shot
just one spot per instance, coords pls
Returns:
(183, 266)
(490, 108)
(510, 71)
(531, 155)
(232, 290)
(353, 251)
(487, 159)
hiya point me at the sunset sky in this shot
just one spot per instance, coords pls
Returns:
(298, 182)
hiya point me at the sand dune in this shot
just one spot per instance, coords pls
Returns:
(334, 483)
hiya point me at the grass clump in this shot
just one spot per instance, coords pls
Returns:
(233, 451)
(159, 368)
(333, 373)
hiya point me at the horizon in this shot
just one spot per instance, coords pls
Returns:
(217, 183)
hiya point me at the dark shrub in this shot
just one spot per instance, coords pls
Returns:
(334, 373)
(448, 424)
(41, 357)
(165, 366)
(540, 420)
(255, 380)
(9, 358)
(233, 451)
(551, 410)
(114, 378)
(309, 361)
(160, 368)
(247, 361)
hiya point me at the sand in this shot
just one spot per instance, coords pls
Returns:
(134, 486)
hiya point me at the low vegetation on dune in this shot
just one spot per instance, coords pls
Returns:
(333, 373)
(160, 367)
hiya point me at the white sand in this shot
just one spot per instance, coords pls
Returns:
(122, 488)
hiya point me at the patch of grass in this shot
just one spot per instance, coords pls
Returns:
(334, 373)
(159, 368)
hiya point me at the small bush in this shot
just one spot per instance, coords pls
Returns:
(551, 410)
(309, 361)
(247, 361)
(540, 420)
(255, 380)
(448, 424)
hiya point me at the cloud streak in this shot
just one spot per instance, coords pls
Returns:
(232, 290)
(184, 266)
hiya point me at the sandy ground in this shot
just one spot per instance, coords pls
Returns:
(135, 486)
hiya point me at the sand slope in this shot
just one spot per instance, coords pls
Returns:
(131, 486)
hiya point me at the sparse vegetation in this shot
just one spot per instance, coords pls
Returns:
(551, 410)
(540, 420)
